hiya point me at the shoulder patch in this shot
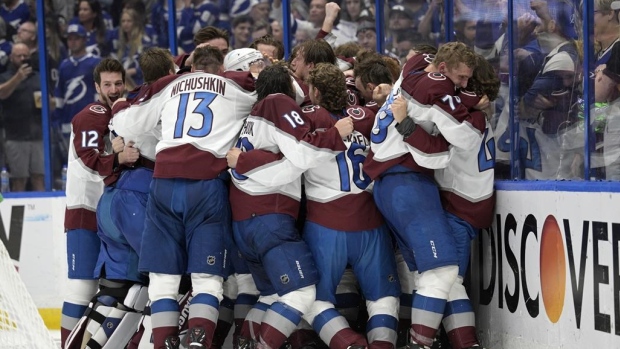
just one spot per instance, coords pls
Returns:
(436, 76)
(428, 58)
(99, 109)
(356, 113)
(310, 108)
(468, 93)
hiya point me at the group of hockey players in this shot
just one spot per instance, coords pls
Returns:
(269, 196)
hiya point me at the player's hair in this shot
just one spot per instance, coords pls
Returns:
(348, 50)
(271, 41)
(393, 65)
(209, 33)
(294, 52)
(155, 62)
(274, 79)
(317, 51)
(453, 53)
(484, 80)
(373, 70)
(108, 65)
(330, 82)
(208, 59)
(425, 48)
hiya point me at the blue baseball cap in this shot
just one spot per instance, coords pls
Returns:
(76, 29)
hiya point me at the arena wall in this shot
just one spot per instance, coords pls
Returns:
(547, 275)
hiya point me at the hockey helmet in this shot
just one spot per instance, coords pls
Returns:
(240, 59)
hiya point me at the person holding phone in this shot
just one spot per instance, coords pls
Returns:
(20, 86)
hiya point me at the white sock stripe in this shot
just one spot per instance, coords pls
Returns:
(199, 310)
(459, 320)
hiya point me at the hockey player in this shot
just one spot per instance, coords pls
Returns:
(90, 163)
(187, 228)
(404, 189)
(245, 59)
(120, 220)
(264, 215)
(344, 226)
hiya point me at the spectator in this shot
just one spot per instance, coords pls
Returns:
(90, 16)
(402, 20)
(159, 20)
(241, 32)
(56, 49)
(260, 10)
(353, 10)
(5, 46)
(546, 104)
(14, 12)
(231, 9)
(366, 33)
(210, 36)
(299, 9)
(130, 40)
(316, 17)
(607, 89)
(20, 98)
(606, 28)
(276, 30)
(197, 14)
(27, 35)
(465, 31)
(402, 44)
(269, 47)
(74, 91)
(261, 28)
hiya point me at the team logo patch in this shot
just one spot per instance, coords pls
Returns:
(356, 113)
(284, 279)
(310, 108)
(211, 260)
(109, 324)
(99, 109)
(468, 93)
(428, 58)
(436, 76)
(391, 278)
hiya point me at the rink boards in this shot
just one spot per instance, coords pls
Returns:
(547, 275)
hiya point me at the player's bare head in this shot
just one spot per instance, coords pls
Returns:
(485, 80)
(317, 51)
(373, 70)
(208, 59)
(268, 41)
(274, 79)
(155, 62)
(330, 84)
(348, 50)
(109, 77)
(108, 65)
(454, 53)
(214, 37)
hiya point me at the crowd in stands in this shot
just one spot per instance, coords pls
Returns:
(548, 58)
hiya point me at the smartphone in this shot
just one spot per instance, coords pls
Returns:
(27, 61)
